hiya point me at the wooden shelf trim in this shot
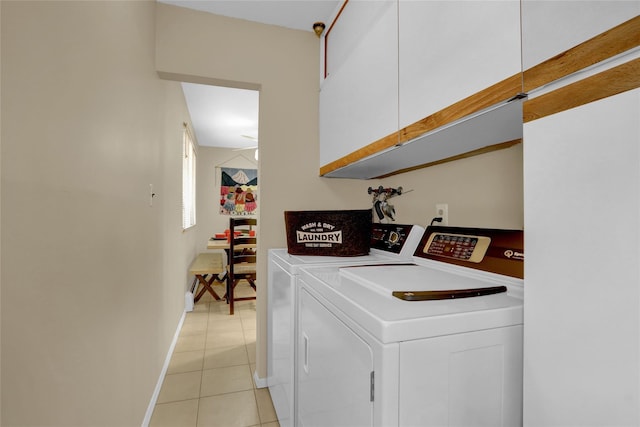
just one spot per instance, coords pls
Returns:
(373, 148)
(612, 42)
(602, 85)
(488, 97)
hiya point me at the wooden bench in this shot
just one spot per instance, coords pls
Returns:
(207, 264)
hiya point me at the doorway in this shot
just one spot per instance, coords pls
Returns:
(225, 125)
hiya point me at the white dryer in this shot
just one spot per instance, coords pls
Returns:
(390, 244)
(437, 343)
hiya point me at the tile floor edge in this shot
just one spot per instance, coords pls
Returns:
(163, 373)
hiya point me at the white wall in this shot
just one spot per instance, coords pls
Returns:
(93, 278)
(582, 294)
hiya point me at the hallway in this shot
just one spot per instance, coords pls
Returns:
(209, 381)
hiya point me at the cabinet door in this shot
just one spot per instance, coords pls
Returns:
(359, 97)
(472, 379)
(449, 50)
(334, 370)
(552, 27)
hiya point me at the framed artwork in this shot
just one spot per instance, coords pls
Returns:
(238, 191)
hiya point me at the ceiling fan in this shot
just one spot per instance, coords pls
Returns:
(255, 147)
(253, 138)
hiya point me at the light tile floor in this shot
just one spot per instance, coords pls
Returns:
(209, 381)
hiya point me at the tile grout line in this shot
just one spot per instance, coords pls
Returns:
(204, 355)
(246, 349)
(244, 324)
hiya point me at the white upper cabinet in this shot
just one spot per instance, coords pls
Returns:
(449, 50)
(359, 96)
(397, 70)
(552, 27)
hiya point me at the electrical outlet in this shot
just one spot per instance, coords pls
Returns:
(442, 211)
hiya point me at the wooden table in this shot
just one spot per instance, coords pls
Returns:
(223, 244)
(218, 244)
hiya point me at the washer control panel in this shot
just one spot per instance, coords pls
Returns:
(390, 237)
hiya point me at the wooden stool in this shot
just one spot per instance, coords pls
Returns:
(207, 264)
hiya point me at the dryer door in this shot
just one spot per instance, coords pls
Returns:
(334, 370)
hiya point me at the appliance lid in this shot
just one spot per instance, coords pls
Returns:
(415, 279)
(365, 294)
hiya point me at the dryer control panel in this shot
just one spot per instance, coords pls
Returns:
(494, 250)
(458, 246)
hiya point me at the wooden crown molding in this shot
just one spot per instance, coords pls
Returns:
(621, 78)
(602, 85)
(617, 40)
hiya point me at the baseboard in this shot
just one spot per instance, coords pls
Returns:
(163, 372)
(188, 301)
(260, 382)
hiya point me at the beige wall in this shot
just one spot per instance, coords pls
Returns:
(481, 191)
(93, 277)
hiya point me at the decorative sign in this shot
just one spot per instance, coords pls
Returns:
(238, 191)
(319, 234)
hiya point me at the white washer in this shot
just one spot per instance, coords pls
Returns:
(368, 358)
(391, 243)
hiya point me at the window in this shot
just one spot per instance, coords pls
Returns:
(188, 180)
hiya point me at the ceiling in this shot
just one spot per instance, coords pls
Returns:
(223, 117)
(227, 117)
(296, 14)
